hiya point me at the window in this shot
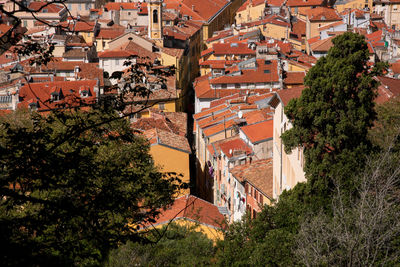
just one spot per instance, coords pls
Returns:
(79, 7)
(55, 97)
(224, 86)
(87, 6)
(255, 194)
(237, 85)
(69, 6)
(117, 62)
(161, 106)
(261, 200)
(129, 13)
(155, 16)
(246, 188)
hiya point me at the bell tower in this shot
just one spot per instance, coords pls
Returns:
(155, 15)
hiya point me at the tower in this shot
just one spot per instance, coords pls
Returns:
(155, 15)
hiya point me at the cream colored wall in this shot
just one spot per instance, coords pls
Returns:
(274, 31)
(172, 160)
(87, 36)
(58, 50)
(287, 168)
(79, 8)
(360, 4)
(292, 67)
(312, 28)
(115, 43)
(251, 13)
(99, 44)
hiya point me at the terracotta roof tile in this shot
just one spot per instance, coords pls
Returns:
(294, 3)
(322, 14)
(288, 94)
(259, 132)
(258, 173)
(41, 6)
(294, 77)
(389, 88)
(118, 6)
(116, 54)
(40, 93)
(233, 146)
(106, 33)
(194, 209)
(168, 139)
(264, 73)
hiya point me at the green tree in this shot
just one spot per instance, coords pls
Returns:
(332, 116)
(331, 120)
(386, 130)
(73, 186)
(365, 229)
(179, 246)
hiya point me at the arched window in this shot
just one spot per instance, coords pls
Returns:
(155, 16)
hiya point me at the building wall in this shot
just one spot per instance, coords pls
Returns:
(275, 31)
(28, 21)
(115, 43)
(82, 9)
(111, 65)
(172, 160)
(312, 28)
(353, 4)
(251, 13)
(287, 168)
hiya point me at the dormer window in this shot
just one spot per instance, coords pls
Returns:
(55, 96)
(45, 10)
(33, 106)
(84, 93)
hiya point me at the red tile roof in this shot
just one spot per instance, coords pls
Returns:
(322, 45)
(200, 10)
(274, 19)
(259, 132)
(389, 88)
(116, 54)
(265, 73)
(258, 173)
(288, 94)
(233, 146)
(295, 3)
(322, 14)
(251, 3)
(109, 33)
(157, 136)
(294, 77)
(118, 6)
(78, 26)
(41, 6)
(40, 93)
(194, 209)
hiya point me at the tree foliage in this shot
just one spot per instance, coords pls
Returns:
(179, 246)
(332, 116)
(73, 186)
(331, 120)
(364, 231)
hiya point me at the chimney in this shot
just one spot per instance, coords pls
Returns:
(193, 7)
